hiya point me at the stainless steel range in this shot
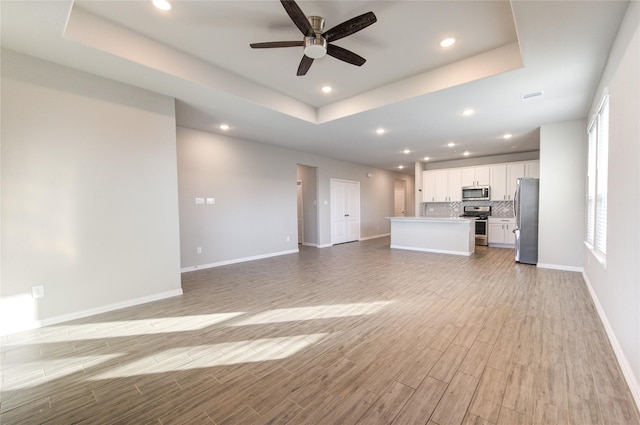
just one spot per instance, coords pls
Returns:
(482, 214)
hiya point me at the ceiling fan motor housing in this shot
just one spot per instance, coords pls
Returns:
(315, 46)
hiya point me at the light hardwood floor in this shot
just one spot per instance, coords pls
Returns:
(352, 334)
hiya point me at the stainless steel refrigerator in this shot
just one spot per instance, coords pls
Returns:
(525, 207)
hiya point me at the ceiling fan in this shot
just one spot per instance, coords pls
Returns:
(316, 43)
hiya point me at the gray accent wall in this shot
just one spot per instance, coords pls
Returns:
(254, 186)
(563, 156)
(616, 285)
(89, 194)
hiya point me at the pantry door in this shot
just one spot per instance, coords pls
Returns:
(345, 211)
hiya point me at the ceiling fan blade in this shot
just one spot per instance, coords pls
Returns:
(298, 17)
(349, 27)
(304, 66)
(345, 55)
(271, 44)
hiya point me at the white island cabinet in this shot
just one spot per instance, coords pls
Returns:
(446, 235)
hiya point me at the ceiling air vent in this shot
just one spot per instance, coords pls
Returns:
(531, 95)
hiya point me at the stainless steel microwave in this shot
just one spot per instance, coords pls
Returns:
(476, 193)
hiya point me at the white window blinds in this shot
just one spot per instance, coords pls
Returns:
(597, 172)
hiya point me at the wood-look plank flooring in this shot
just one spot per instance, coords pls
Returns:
(352, 334)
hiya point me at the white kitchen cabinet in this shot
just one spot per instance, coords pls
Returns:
(498, 182)
(500, 232)
(428, 186)
(514, 172)
(476, 176)
(532, 169)
(445, 185)
(454, 185)
(442, 185)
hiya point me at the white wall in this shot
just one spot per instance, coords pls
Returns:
(562, 193)
(616, 287)
(255, 190)
(89, 194)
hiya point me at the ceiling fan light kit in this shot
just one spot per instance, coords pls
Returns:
(315, 43)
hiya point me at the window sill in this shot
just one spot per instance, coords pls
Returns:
(602, 259)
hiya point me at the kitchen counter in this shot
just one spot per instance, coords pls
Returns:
(446, 235)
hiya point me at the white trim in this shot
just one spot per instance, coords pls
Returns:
(375, 237)
(35, 324)
(623, 362)
(561, 267)
(437, 251)
(327, 245)
(237, 260)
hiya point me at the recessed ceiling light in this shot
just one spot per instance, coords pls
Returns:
(468, 112)
(224, 126)
(380, 131)
(451, 144)
(466, 153)
(426, 158)
(507, 136)
(448, 42)
(401, 166)
(326, 89)
(162, 4)
(406, 151)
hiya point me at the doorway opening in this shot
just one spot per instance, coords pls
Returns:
(307, 200)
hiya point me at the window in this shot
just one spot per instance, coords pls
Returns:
(597, 171)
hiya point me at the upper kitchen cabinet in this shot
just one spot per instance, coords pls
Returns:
(532, 169)
(476, 176)
(505, 176)
(446, 185)
(429, 186)
(499, 182)
(442, 185)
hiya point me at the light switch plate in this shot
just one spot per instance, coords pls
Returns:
(211, 201)
(199, 201)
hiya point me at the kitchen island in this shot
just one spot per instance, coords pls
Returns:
(446, 235)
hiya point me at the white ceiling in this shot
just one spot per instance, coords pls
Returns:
(199, 53)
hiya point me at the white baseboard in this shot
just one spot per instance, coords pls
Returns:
(625, 366)
(238, 260)
(35, 324)
(561, 267)
(315, 245)
(384, 235)
(327, 245)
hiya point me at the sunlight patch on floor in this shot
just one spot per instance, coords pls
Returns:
(313, 312)
(39, 372)
(122, 328)
(212, 355)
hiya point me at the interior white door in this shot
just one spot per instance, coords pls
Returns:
(398, 203)
(345, 211)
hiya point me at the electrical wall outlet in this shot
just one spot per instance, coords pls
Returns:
(37, 291)
(288, 239)
(199, 250)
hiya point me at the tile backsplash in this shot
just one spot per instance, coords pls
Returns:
(454, 209)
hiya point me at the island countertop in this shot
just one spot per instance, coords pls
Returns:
(446, 235)
(436, 219)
